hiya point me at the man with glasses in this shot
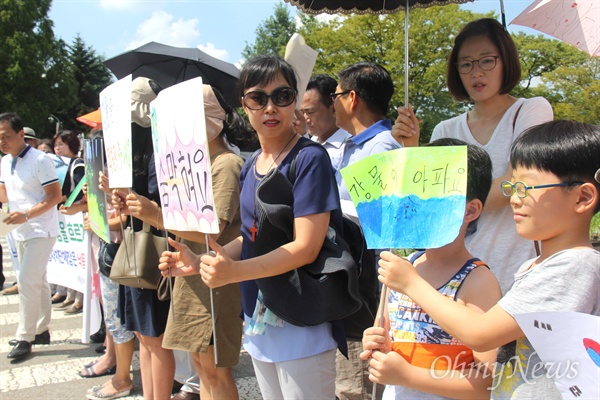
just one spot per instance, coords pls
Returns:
(361, 102)
(32, 193)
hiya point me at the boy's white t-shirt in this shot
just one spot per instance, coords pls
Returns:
(496, 241)
(568, 281)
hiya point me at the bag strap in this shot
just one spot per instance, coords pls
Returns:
(535, 242)
(515, 119)
(248, 164)
(292, 171)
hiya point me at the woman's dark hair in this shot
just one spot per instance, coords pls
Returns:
(235, 128)
(70, 139)
(47, 142)
(261, 70)
(568, 149)
(493, 30)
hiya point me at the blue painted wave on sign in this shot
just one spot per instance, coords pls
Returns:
(411, 222)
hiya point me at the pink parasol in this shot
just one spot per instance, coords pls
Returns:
(573, 22)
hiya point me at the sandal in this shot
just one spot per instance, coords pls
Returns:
(74, 309)
(65, 304)
(91, 363)
(99, 395)
(58, 298)
(88, 372)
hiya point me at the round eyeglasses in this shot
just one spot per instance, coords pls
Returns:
(520, 188)
(486, 63)
(281, 97)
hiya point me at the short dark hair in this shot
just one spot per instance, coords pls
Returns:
(235, 128)
(70, 139)
(371, 82)
(493, 30)
(13, 119)
(261, 70)
(324, 85)
(479, 168)
(568, 149)
(479, 173)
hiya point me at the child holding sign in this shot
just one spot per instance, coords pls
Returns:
(554, 195)
(412, 354)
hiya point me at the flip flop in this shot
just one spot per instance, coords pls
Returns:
(90, 373)
(108, 396)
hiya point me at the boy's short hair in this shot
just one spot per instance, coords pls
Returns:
(371, 82)
(479, 173)
(568, 149)
(479, 168)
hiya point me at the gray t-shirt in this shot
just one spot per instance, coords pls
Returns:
(568, 281)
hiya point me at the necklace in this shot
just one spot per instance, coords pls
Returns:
(254, 229)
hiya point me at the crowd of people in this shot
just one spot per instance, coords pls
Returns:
(523, 242)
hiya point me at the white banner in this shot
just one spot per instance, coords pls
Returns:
(68, 266)
(68, 260)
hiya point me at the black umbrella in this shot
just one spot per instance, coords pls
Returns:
(371, 7)
(168, 65)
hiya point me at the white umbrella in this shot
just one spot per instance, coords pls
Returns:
(573, 22)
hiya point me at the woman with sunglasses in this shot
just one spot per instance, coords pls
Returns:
(483, 67)
(290, 361)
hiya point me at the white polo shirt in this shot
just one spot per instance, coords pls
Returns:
(24, 177)
(333, 144)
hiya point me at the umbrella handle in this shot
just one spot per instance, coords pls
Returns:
(406, 54)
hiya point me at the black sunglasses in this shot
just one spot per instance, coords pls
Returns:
(281, 97)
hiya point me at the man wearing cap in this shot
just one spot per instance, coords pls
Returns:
(32, 194)
(30, 137)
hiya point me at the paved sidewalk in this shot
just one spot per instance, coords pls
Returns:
(51, 372)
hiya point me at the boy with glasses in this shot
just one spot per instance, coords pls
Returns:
(560, 161)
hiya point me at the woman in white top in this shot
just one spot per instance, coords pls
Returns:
(483, 67)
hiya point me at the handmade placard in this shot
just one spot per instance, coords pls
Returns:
(96, 199)
(182, 160)
(410, 197)
(115, 102)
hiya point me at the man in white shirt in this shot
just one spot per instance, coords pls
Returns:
(28, 182)
(319, 113)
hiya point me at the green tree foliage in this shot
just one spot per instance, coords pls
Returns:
(91, 77)
(566, 76)
(574, 90)
(381, 39)
(272, 35)
(34, 68)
